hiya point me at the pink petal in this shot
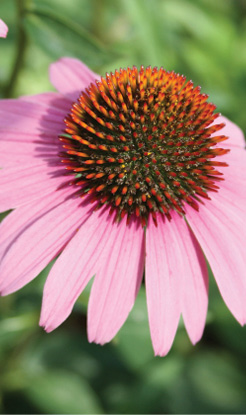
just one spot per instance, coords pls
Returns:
(82, 258)
(231, 197)
(22, 218)
(12, 155)
(25, 121)
(34, 123)
(117, 282)
(191, 266)
(39, 244)
(3, 29)
(220, 229)
(234, 175)
(231, 130)
(22, 185)
(236, 160)
(50, 100)
(163, 285)
(70, 76)
(28, 109)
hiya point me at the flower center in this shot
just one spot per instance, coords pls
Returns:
(141, 142)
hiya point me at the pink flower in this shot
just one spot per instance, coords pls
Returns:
(3, 29)
(144, 144)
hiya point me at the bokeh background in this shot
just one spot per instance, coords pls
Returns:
(60, 372)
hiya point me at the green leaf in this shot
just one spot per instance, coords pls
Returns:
(4, 214)
(155, 379)
(59, 36)
(145, 21)
(211, 382)
(133, 340)
(62, 392)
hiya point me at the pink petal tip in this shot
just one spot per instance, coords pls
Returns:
(3, 29)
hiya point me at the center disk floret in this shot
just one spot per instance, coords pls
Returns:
(140, 141)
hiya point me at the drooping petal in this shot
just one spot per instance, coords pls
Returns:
(22, 218)
(21, 185)
(235, 170)
(3, 29)
(234, 175)
(117, 282)
(220, 230)
(84, 256)
(23, 153)
(233, 198)
(39, 244)
(25, 121)
(30, 128)
(70, 76)
(163, 285)
(191, 266)
(231, 130)
(50, 100)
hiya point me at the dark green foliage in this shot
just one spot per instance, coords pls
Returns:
(60, 372)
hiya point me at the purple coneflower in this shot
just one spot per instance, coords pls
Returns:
(123, 178)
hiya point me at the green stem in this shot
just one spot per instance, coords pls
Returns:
(20, 49)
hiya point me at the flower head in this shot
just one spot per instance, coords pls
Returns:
(3, 29)
(117, 175)
(141, 142)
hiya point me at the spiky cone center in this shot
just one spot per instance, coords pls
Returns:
(141, 141)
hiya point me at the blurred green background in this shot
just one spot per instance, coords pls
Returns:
(61, 372)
